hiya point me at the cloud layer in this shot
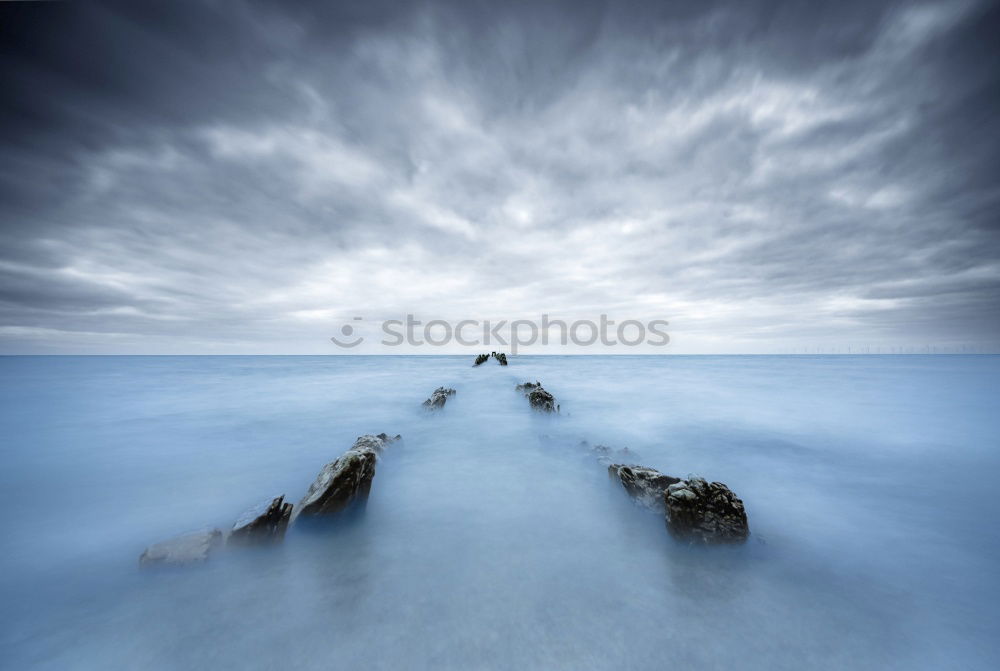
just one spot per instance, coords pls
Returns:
(244, 177)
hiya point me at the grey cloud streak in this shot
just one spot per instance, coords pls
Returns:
(244, 177)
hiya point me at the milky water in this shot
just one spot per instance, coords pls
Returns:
(492, 538)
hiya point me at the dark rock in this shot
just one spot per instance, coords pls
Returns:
(264, 523)
(438, 398)
(646, 485)
(499, 356)
(187, 549)
(708, 512)
(542, 400)
(537, 396)
(346, 479)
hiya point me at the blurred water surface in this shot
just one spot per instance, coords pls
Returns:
(492, 539)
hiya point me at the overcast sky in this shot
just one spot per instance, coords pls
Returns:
(246, 177)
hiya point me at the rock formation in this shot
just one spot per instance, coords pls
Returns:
(539, 399)
(707, 512)
(264, 523)
(646, 485)
(346, 479)
(187, 549)
(694, 510)
(438, 398)
(499, 356)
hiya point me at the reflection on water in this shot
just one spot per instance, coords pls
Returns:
(492, 539)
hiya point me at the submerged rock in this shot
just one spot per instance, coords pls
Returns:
(438, 398)
(264, 523)
(708, 512)
(346, 479)
(539, 399)
(187, 549)
(646, 485)
(607, 455)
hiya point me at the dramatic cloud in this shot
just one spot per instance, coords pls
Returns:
(246, 177)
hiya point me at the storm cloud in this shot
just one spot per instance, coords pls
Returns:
(239, 177)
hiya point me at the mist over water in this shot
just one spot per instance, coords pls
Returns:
(492, 539)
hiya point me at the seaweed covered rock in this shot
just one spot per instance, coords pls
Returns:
(539, 399)
(262, 524)
(646, 485)
(482, 358)
(707, 512)
(438, 398)
(346, 479)
(189, 548)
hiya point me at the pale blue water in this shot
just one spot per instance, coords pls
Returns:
(869, 483)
